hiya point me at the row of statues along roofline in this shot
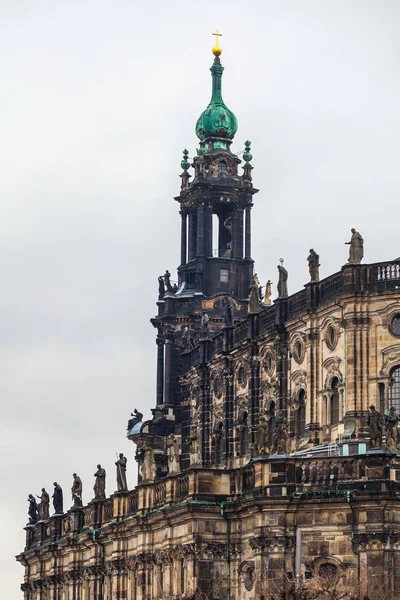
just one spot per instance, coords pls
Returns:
(41, 511)
(260, 296)
(383, 435)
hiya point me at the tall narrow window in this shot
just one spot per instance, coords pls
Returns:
(244, 434)
(394, 389)
(215, 233)
(335, 401)
(300, 423)
(219, 439)
(224, 275)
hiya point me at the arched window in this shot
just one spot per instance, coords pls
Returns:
(335, 401)
(219, 443)
(394, 389)
(300, 415)
(222, 166)
(328, 571)
(244, 433)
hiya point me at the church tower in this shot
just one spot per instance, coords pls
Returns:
(216, 206)
(216, 267)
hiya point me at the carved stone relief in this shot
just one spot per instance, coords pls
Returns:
(246, 570)
(298, 382)
(331, 366)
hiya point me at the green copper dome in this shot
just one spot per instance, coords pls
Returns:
(217, 120)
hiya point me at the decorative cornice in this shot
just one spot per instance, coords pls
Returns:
(362, 542)
(274, 543)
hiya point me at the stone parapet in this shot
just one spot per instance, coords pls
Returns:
(273, 477)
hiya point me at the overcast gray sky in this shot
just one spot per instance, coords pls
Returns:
(98, 100)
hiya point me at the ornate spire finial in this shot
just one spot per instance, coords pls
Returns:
(247, 156)
(185, 164)
(217, 48)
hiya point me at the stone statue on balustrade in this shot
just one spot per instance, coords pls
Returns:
(167, 281)
(32, 510)
(375, 424)
(76, 490)
(121, 462)
(254, 295)
(161, 287)
(261, 444)
(58, 501)
(228, 312)
(282, 281)
(313, 265)
(195, 444)
(173, 455)
(392, 434)
(279, 435)
(148, 468)
(356, 251)
(205, 319)
(99, 487)
(268, 292)
(137, 417)
(284, 441)
(44, 505)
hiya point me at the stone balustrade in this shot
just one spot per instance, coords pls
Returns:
(265, 477)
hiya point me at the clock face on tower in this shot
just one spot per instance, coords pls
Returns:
(395, 325)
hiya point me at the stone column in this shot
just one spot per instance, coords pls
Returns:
(185, 404)
(240, 232)
(235, 233)
(313, 369)
(168, 371)
(222, 236)
(183, 237)
(282, 364)
(192, 235)
(131, 585)
(254, 392)
(228, 413)
(191, 584)
(200, 230)
(205, 415)
(160, 369)
(209, 231)
(247, 234)
(365, 365)
(352, 370)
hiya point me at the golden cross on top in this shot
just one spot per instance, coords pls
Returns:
(217, 35)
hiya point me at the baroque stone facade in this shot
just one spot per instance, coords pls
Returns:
(255, 469)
